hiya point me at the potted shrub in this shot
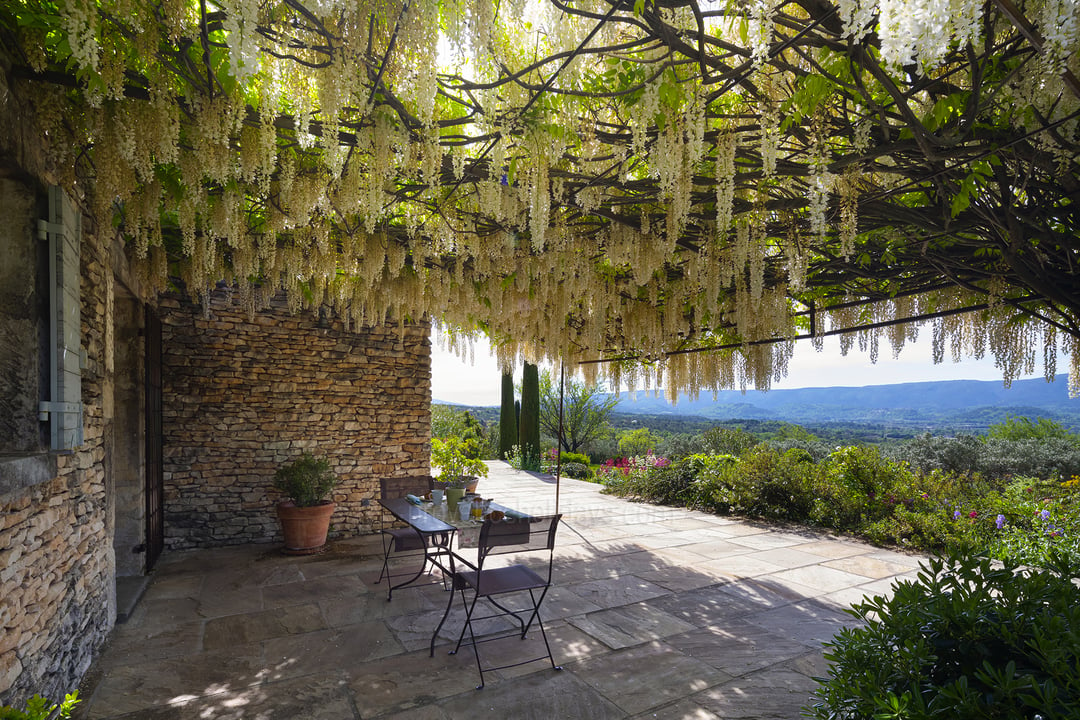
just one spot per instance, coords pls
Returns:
(305, 514)
(457, 470)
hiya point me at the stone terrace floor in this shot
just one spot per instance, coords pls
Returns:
(655, 613)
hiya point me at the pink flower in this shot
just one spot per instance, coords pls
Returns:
(973, 514)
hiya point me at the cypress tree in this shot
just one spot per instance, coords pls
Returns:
(529, 424)
(508, 425)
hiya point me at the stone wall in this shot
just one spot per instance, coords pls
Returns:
(57, 594)
(244, 394)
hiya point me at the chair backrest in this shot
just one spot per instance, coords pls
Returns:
(398, 487)
(517, 535)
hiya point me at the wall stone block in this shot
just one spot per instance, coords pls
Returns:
(245, 394)
(56, 568)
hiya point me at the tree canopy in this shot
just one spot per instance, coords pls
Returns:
(580, 410)
(628, 180)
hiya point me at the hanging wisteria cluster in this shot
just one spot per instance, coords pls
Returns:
(680, 187)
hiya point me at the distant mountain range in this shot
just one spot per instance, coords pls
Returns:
(956, 405)
(960, 404)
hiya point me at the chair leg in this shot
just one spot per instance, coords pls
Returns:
(386, 561)
(543, 634)
(469, 608)
(535, 615)
(446, 614)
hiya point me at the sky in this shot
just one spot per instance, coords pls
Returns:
(454, 380)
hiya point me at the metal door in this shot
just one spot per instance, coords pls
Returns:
(155, 478)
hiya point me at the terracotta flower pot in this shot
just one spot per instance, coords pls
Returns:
(304, 528)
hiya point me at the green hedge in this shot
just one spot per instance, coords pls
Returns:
(863, 492)
(968, 639)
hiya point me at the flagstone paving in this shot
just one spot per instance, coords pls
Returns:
(656, 613)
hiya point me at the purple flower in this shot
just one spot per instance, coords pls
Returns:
(1000, 522)
(1045, 514)
(956, 515)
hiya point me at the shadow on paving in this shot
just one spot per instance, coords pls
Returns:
(725, 621)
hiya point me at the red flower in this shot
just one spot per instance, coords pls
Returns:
(973, 514)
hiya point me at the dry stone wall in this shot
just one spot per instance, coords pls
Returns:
(245, 393)
(57, 589)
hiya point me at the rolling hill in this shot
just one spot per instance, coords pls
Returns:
(959, 404)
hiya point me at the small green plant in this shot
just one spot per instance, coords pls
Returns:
(38, 708)
(513, 457)
(306, 481)
(573, 457)
(968, 638)
(577, 471)
(455, 464)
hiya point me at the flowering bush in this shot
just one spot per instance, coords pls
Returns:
(1036, 521)
(549, 460)
(630, 475)
(859, 490)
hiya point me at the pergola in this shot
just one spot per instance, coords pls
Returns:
(683, 186)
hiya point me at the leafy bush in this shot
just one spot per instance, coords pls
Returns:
(1052, 458)
(638, 442)
(965, 640)
(926, 452)
(571, 457)
(631, 476)
(816, 449)
(1035, 521)
(577, 471)
(38, 708)
(857, 486)
(306, 481)
(668, 484)
(456, 460)
(728, 441)
(1015, 427)
(865, 492)
(762, 483)
(996, 457)
(779, 485)
(681, 445)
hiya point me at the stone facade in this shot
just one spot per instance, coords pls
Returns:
(246, 393)
(57, 590)
(242, 395)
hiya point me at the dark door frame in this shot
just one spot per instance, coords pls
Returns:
(155, 477)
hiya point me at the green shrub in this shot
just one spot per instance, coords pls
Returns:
(728, 441)
(1036, 520)
(1009, 454)
(572, 457)
(780, 485)
(926, 452)
(717, 487)
(453, 456)
(814, 448)
(576, 470)
(927, 531)
(761, 483)
(306, 481)
(1050, 458)
(965, 640)
(632, 476)
(862, 491)
(670, 484)
(38, 708)
(1018, 427)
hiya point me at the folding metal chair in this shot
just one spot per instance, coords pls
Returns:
(402, 540)
(496, 585)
